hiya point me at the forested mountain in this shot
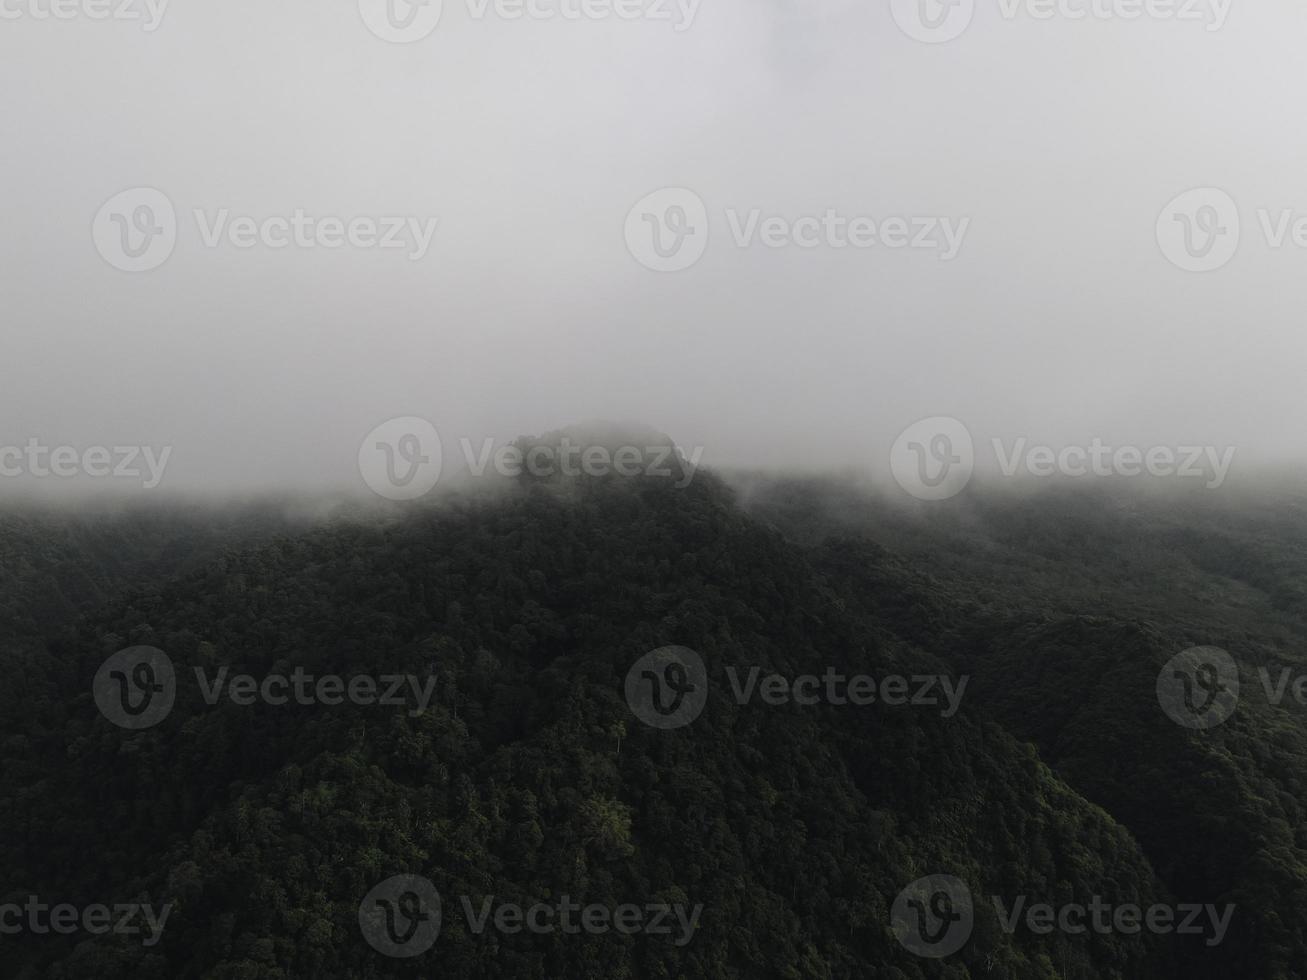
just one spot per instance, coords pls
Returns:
(528, 776)
(1064, 607)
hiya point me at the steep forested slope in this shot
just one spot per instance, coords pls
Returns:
(528, 776)
(1064, 607)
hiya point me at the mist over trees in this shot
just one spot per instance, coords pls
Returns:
(527, 777)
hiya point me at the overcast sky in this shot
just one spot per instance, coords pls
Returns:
(1047, 147)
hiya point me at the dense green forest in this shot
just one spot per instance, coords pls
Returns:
(528, 776)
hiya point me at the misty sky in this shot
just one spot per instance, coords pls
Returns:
(1058, 141)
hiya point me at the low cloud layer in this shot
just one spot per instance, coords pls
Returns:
(249, 234)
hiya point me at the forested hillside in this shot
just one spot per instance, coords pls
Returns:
(528, 776)
(1064, 607)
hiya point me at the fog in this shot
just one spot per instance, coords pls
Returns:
(1032, 160)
